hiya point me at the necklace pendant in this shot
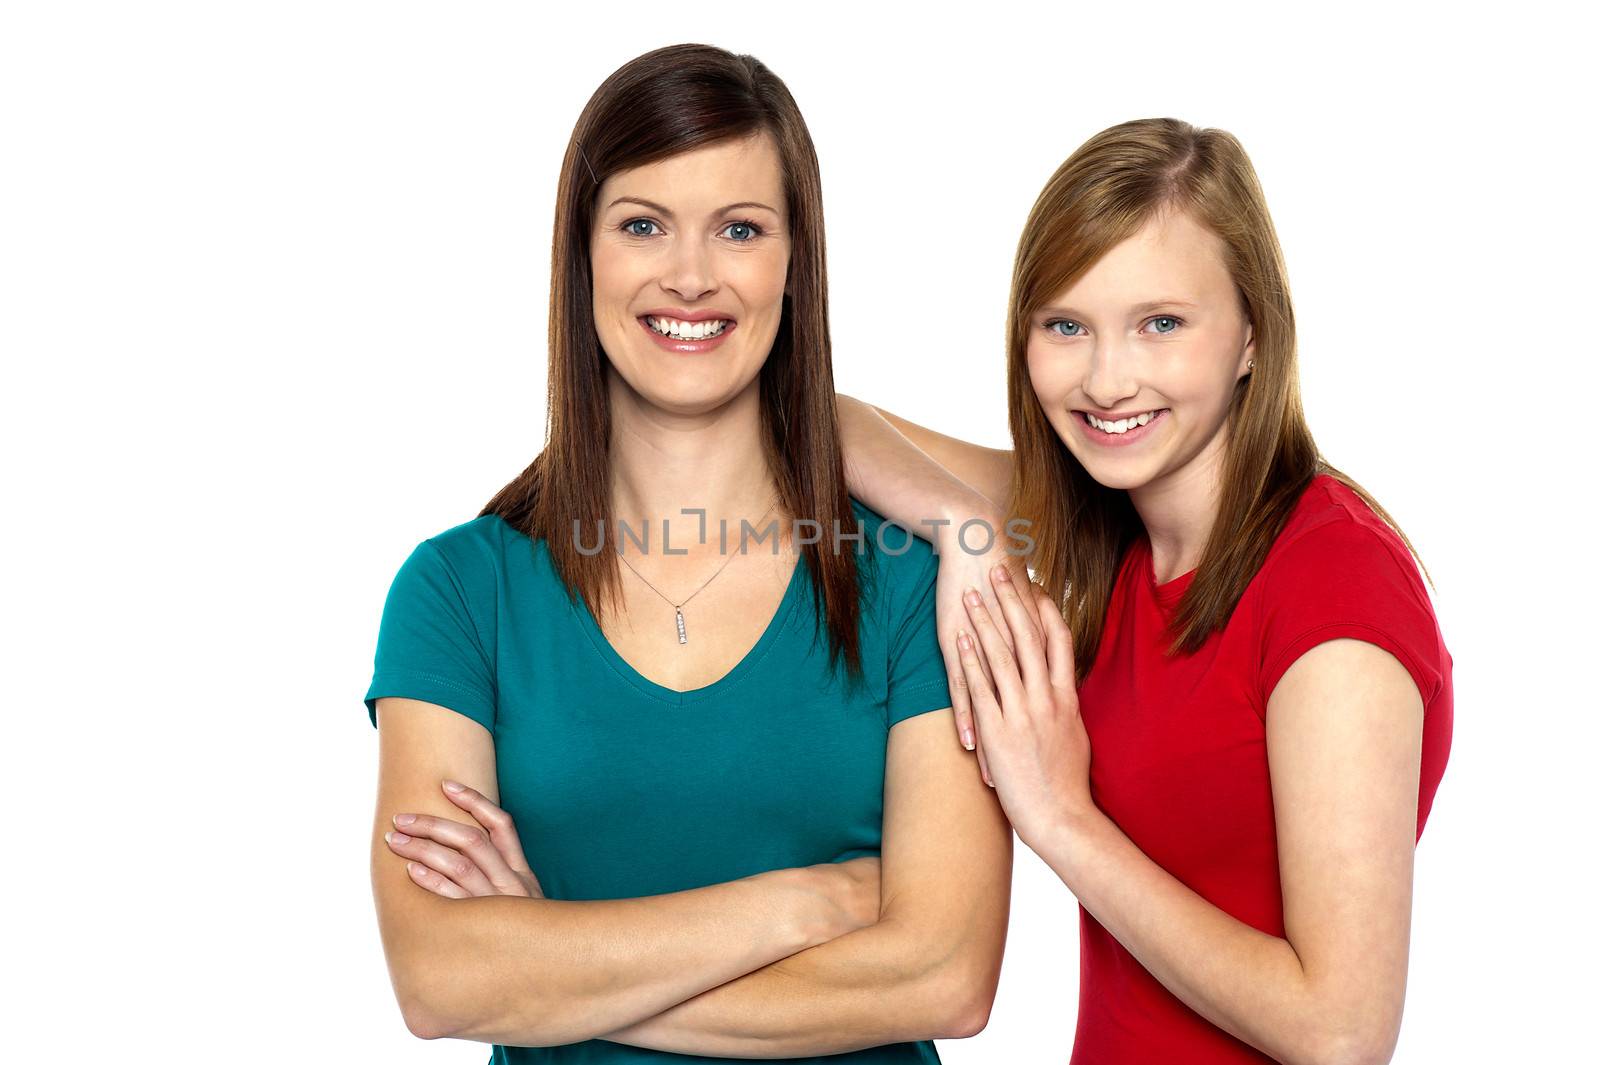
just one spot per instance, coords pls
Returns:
(683, 637)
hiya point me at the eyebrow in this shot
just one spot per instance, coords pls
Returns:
(1138, 308)
(658, 208)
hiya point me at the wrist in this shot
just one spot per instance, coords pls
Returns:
(957, 509)
(1069, 840)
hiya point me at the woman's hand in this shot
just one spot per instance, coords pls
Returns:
(960, 568)
(461, 861)
(1038, 750)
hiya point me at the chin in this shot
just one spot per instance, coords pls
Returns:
(688, 403)
(1126, 480)
(691, 397)
(1113, 473)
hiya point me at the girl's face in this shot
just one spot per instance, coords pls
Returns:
(690, 257)
(1149, 342)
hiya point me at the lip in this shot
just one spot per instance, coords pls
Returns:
(688, 347)
(703, 315)
(1132, 436)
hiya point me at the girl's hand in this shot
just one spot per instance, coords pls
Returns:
(461, 861)
(1037, 747)
(960, 568)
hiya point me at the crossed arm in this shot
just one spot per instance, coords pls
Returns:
(753, 967)
(930, 965)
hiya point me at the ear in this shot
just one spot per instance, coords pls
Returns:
(1249, 352)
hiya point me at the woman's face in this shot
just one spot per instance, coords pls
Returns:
(690, 256)
(1155, 332)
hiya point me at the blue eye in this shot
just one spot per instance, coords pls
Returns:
(1173, 324)
(628, 227)
(750, 228)
(1052, 323)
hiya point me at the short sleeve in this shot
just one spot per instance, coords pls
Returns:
(429, 647)
(918, 681)
(1346, 579)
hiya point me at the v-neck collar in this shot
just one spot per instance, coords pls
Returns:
(775, 627)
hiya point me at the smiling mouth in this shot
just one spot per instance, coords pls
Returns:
(1121, 425)
(676, 330)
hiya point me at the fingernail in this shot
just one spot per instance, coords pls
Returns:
(451, 785)
(397, 837)
(961, 638)
(1000, 574)
(404, 819)
(966, 738)
(973, 597)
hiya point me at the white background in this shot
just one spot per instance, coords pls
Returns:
(273, 284)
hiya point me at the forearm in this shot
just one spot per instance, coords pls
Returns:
(545, 972)
(1245, 981)
(873, 986)
(927, 969)
(898, 479)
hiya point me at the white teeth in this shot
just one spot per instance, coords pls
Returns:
(671, 327)
(1122, 425)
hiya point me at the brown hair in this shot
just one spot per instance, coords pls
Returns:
(665, 102)
(1104, 193)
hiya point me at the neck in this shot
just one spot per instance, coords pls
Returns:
(664, 462)
(1178, 510)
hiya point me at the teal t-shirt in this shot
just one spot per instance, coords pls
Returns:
(623, 788)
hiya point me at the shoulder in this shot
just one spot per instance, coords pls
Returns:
(479, 546)
(1332, 537)
(899, 581)
(1338, 569)
(894, 559)
(886, 537)
(473, 559)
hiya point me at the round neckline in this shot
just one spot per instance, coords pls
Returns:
(1167, 593)
(769, 636)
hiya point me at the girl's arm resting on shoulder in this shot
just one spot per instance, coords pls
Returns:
(914, 475)
(1344, 741)
(929, 967)
(544, 972)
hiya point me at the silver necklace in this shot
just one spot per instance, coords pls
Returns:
(683, 634)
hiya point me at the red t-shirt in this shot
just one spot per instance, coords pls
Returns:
(1179, 745)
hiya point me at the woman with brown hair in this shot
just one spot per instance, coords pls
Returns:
(634, 811)
(1233, 627)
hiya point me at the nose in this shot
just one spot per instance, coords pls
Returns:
(1110, 378)
(688, 271)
